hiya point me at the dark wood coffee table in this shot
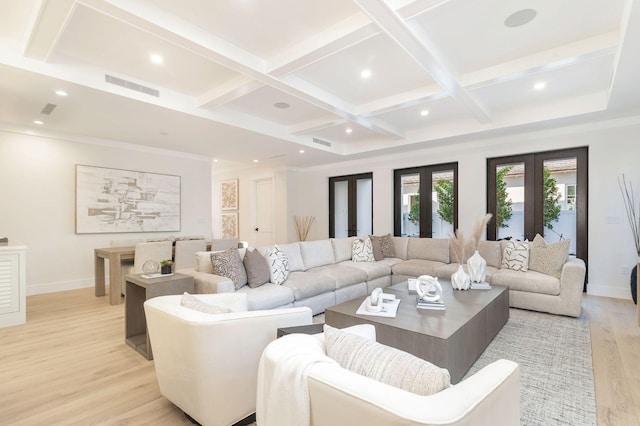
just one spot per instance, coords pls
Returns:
(452, 339)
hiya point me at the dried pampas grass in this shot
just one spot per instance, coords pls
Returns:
(457, 245)
(479, 229)
(303, 225)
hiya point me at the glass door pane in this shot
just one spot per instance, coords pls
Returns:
(510, 201)
(410, 193)
(341, 208)
(442, 204)
(364, 206)
(559, 192)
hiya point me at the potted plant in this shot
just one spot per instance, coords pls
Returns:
(165, 266)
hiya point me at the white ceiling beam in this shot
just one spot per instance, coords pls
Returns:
(313, 126)
(624, 91)
(48, 25)
(227, 92)
(417, 47)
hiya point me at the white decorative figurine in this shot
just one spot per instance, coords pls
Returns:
(428, 288)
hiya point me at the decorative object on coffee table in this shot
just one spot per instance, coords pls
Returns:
(633, 215)
(459, 279)
(477, 266)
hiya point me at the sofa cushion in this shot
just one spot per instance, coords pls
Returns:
(373, 269)
(400, 246)
(343, 275)
(228, 264)
(309, 284)
(377, 249)
(390, 261)
(548, 258)
(516, 256)
(416, 267)
(257, 268)
(193, 302)
(362, 250)
(491, 252)
(317, 253)
(385, 246)
(530, 281)
(203, 262)
(384, 363)
(294, 256)
(267, 296)
(342, 248)
(278, 265)
(436, 249)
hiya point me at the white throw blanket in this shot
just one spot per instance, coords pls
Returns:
(283, 391)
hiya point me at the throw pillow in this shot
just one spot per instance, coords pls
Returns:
(388, 249)
(192, 302)
(384, 364)
(257, 268)
(516, 256)
(548, 258)
(362, 250)
(278, 266)
(228, 264)
(377, 248)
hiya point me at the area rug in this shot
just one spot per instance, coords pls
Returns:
(556, 371)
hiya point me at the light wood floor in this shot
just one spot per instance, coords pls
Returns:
(69, 365)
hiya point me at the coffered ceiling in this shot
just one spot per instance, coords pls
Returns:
(249, 80)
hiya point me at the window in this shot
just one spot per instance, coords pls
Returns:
(351, 205)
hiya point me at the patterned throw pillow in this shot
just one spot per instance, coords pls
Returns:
(228, 264)
(192, 302)
(548, 258)
(384, 364)
(362, 250)
(516, 256)
(388, 249)
(278, 265)
(257, 268)
(377, 248)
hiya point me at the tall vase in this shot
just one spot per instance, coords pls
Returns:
(477, 268)
(460, 280)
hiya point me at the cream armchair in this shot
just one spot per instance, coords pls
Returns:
(337, 396)
(207, 364)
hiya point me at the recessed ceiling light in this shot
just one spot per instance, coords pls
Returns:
(215, 160)
(349, 130)
(61, 93)
(255, 161)
(281, 105)
(539, 85)
(520, 18)
(365, 73)
(156, 59)
(424, 112)
(38, 122)
(301, 151)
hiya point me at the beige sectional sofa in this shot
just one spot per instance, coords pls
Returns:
(322, 274)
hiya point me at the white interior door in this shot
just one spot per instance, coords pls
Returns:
(263, 212)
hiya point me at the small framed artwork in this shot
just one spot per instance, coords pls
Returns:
(229, 194)
(230, 225)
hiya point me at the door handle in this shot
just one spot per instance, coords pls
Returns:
(257, 229)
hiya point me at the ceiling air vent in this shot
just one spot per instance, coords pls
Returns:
(131, 85)
(48, 109)
(321, 142)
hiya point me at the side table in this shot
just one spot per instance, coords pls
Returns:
(301, 329)
(140, 289)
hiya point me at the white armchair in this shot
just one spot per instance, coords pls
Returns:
(337, 396)
(207, 364)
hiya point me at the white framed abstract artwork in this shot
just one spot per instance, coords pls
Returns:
(116, 200)
(229, 194)
(230, 225)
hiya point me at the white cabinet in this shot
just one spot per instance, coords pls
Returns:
(13, 310)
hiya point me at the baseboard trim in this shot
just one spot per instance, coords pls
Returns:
(59, 286)
(609, 291)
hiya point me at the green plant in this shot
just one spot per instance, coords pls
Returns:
(551, 196)
(166, 262)
(444, 189)
(503, 202)
(414, 212)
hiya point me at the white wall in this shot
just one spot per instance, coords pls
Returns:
(37, 178)
(613, 149)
